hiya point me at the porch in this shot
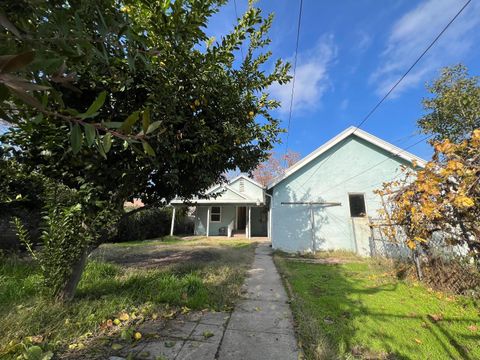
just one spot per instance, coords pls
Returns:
(244, 220)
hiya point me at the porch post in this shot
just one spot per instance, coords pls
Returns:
(173, 221)
(249, 222)
(208, 221)
(269, 226)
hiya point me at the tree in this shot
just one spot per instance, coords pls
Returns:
(274, 166)
(454, 109)
(117, 100)
(443, 197)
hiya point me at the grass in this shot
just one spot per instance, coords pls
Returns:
(359, 309)
(144, 277)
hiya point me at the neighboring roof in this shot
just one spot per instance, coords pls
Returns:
(352, 130)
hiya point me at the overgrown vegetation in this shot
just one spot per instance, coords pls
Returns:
(362, 310)
(196, 274)
(131, 99)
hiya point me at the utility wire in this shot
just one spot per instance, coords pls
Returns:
(370, 113)
(293, 79)
(379, 163)
(412, 66)
(236, 15)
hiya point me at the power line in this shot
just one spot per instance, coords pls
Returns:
(412, 66)
(370, 113)
(293, 79)
(379, 163)
(236, 14)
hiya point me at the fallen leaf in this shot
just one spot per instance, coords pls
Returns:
(137, 336)
(116, 347)
(109, 323)
(435, 317)
(116, 322)
(418, 341)
(473, 328)
(124, 316)
(207, 334)
(169, 344)
(328, 320)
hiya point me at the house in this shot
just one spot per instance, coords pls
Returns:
(236, 208)
(323, 202)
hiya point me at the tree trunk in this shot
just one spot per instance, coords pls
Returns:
(68, 291)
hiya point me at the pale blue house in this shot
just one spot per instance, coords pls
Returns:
(239, 208)
(323, 202)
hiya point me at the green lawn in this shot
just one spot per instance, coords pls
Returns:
(359, 309)
(143, 279)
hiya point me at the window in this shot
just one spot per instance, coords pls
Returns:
(215, 214)
(357, 205)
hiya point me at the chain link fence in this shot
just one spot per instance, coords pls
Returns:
(439, 264)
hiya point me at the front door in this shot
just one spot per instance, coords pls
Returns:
(241, 218)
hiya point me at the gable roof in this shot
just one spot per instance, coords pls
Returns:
(248, 179)
(244, 197)
(351, 131)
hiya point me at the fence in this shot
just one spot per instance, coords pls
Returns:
(439, 264)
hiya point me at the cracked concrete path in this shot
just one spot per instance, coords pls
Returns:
(261, 325)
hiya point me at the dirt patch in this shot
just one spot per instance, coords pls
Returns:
(159, 258)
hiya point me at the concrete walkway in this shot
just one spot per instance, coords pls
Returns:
(261, 325)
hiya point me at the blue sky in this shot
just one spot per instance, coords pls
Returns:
(351, 52)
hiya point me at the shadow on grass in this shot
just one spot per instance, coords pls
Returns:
(345, 310)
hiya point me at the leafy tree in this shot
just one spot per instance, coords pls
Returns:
(443, 197)
(454, 109)
(274, 166)
(127, 99)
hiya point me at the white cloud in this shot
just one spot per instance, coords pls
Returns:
(414, 31)
(364, 40)
(311, 80)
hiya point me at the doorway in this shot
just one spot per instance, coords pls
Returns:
(241, 218)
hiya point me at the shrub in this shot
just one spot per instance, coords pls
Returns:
(142, 224)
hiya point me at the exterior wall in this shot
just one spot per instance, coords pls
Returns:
(330, 180)
(259, 221)
(227, 216)
(251, 190)
(258, 226)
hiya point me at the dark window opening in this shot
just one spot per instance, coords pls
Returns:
(357, 205)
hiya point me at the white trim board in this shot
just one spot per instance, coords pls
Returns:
(340, 137)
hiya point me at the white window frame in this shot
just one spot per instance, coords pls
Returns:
(216, 213)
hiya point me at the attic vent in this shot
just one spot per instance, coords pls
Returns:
(242, 185)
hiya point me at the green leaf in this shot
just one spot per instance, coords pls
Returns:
(148, 149)
(96, 105)
(100, 148)
(9, 26)
(90, 134)
(146, 120)
(38, 119)
(113, 124)
(76, 138)
(153, 126)
(129, 122)
(107, 142)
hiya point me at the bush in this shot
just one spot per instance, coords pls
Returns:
(142, 224)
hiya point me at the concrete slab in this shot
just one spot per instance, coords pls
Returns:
(214, 318)
(178, 329)
(167, 349)
(244, 345)
(197, 350)
(208, 333)
(262, 316)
